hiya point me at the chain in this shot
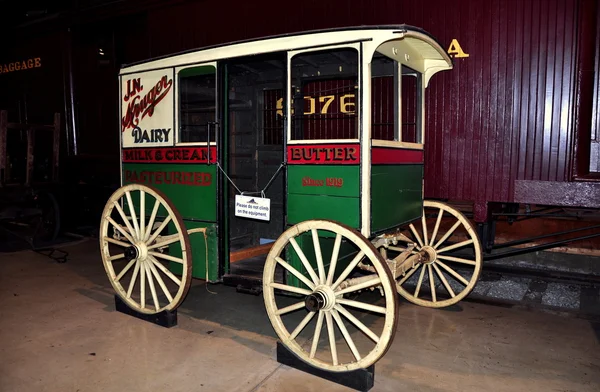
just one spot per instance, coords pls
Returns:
(261, 192)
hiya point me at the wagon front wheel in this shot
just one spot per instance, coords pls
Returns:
(145, 249)
(455, 257)
(337, 308)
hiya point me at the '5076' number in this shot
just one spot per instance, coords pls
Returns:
(346, 104)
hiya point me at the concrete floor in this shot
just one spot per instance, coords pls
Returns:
(59, 332)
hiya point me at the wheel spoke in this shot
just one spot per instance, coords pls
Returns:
(295, 272)
(304, 260)
(364, 285)
(167, 257)
(359, 256)
(424, 224)
(455, 246)
(334, 258)
(302, 324)
(318, 255)
(331, 338)
(151, 221)
(437, 226)
(136, 270)
(291, 289)
(317, 335)
(346, 335)
(417, 236)
(357, 323)
(164, 243)
(133, 215)
(118, 227)
(407, 275)
(290, 308)
(361, 305)
(165, 270)
(142, 214)
(151, 284)
(160, 228)
(431, 283)
(160, 281)
(457, 259)
(453, 273)
(125, 219)
(116, 257)
(142, 286)
(420, 280)
(444, 281)
(124, 270)
(116, 242)
(448, 234)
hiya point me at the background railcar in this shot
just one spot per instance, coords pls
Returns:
(517, 121)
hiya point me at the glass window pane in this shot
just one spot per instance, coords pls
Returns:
(325, 95)
(411, 108)
(384, 99)
(197, 103)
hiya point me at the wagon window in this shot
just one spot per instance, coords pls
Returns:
(325, 95)
(384, 98)
(395, 101)
(197, 103)
(411, 108)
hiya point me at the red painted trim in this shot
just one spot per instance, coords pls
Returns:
(169, 155)
(323, 154)
(382, 155)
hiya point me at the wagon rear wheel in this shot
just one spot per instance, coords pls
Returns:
(454, 266)
(145, 249)
(338, 308)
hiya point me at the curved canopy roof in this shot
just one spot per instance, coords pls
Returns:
(407, 44)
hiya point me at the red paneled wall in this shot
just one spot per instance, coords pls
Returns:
(505, 112)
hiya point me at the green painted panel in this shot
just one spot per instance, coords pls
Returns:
(341, 209)
(396, 195)
(198, 246)
(191, 188)
(333, 180)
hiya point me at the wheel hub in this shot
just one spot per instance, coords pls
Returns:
(429, 254)
(323, 298)
(314, 302)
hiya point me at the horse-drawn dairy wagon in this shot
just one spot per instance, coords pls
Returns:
(306, 148)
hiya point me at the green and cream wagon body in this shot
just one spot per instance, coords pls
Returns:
(301, 157)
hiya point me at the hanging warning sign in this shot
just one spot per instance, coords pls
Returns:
(253, 207)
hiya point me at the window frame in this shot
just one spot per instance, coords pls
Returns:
(420, 126)
(288, 95)
(178, 107)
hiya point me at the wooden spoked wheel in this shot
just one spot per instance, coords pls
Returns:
(343, 286)
(145, 249)
(455, 257)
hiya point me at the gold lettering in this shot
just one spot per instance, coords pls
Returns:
(326, 106)
(455, 50)
(344, 106)
(312, 105)
(279, 107)
(21, 65)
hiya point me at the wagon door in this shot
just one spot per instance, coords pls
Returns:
(253, 156)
